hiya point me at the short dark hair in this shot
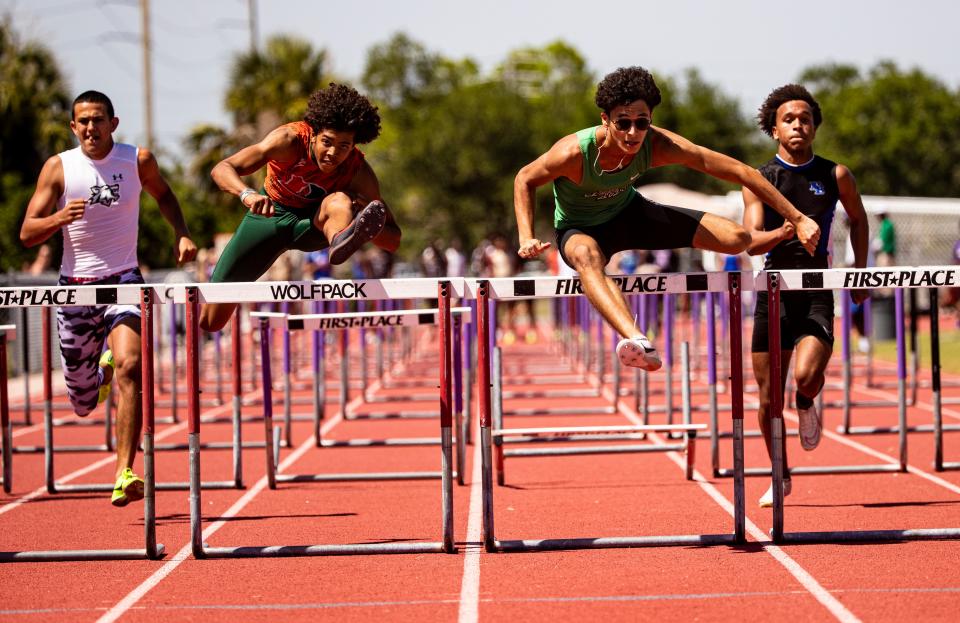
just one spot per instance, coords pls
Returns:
(767, 115)
(92, 97)
(341, 108)
(625, 85)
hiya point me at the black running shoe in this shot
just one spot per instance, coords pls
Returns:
(365, 226)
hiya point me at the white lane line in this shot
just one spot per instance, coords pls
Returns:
(850, 443)
(822, 595)
(104, 461)
(154, 580)
(469, 611)
(151, 582)
(72, 475)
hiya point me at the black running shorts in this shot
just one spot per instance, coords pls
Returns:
(642, 224)
(802, 313)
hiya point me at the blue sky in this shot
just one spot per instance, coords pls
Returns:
(747, 47)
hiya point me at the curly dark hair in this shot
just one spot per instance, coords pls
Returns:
(625, 85)
(341, 108)
(767, 115)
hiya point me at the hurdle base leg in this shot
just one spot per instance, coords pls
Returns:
(80, 555)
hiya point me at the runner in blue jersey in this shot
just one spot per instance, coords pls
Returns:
(791, 116)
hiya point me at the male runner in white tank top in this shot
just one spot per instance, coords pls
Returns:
(92, 193)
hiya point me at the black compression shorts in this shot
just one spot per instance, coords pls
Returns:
(642, 224)
(802, 313)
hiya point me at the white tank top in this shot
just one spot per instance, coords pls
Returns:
(104, 241)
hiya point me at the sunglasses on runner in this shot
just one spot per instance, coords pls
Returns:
(640, 123)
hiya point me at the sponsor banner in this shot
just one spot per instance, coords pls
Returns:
(323, 290)
(358, 320)
(868, 278)
(10, 332)
(551, 287)
(60, 296)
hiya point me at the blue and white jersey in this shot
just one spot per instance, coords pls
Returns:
(812, 188)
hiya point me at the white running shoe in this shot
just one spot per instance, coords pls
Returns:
(811, 423)
(766, 500)
(638, 352)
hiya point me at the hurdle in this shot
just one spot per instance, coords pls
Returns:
(842, 279)
(503, 436)
(333, 322)
(935, 383)
(484, 289)
(462, 380)
(25, 366)
(577, 354)
(100, 295)
(579, 361)
(327, 290)
(912, 373)
(343, 322)
(8, 333)
(48, 405)
(235, 419)
(103, 296)
(810, 279)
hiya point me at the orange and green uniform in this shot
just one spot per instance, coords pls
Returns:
(296, 190)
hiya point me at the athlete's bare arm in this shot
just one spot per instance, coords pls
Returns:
(761, 240)
(364, 188)
(41, 221)
(152, 181)
(562, 160)
(859, 225)
(279, 146)
(671, 148)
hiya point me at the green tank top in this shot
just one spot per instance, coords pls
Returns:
(597, 198)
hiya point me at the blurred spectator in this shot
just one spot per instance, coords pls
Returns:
(478, 258)
(433, 262)
(627, 262)
(317, 264)
(666, 260)
(950, 297)
(379, 263)
(885, 244)
(501, 261)
(857, 310)
(456, 260)
(203, 265)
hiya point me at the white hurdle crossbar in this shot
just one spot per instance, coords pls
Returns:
(443, 290)
(343, 322)
(144, 296)
(843, 279)
(485, 289)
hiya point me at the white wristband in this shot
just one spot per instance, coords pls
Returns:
(245, 192)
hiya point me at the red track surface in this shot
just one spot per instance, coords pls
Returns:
(553, 497)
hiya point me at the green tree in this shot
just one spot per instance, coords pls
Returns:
(453, 139)
(423, 139)
(559, 90)
(271, 86)
(34, 125)
(702, 113)
(401, 74)
(267, 87)
(898, 130)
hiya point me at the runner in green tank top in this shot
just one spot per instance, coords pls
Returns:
(598, 212)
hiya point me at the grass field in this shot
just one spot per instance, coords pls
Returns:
(949, 350)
